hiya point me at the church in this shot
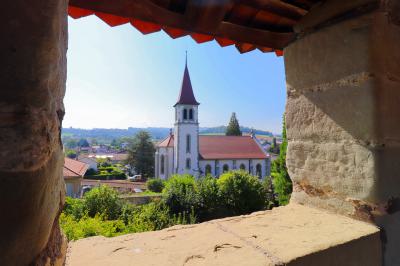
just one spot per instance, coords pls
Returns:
(184, 151)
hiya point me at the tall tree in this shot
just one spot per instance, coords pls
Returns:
(83, 143)
(141, 154)
(281, 180)
(233, 128)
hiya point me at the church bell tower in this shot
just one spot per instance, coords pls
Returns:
(186, 131)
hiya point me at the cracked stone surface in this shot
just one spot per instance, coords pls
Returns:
(292, 235)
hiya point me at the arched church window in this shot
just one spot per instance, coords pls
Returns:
(191, 114)
(162, 163)
(208, 169)
(184, 114)
(187, 163)
(225, 168)
(188, 142)
(258, 170)
(242, 166)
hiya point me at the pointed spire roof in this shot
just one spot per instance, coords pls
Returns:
(186, 96)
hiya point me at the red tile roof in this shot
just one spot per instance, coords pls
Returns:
(224, 147)
(186, 96)
(74, 168)
(266, 25)
(168, 142)
(229, 147)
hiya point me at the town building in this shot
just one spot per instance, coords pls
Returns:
(184, 151)
(73, 172)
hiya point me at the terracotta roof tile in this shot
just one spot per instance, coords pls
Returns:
(224, 147)
(167, 142)
(74, 168)
(230, 147)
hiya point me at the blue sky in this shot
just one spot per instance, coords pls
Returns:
(119, 78)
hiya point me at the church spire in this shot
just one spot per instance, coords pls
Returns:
(186, 96)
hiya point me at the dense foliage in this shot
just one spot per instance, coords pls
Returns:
(101, 212)
(106, 172)
(141, 154)
(281, 179)
(240, 193)
(234, 193)
(233, 128)
(184, 200)
(155, 185)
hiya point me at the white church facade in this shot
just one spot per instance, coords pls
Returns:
(184, 151)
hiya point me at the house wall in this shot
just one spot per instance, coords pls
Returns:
(168, 153)
(73, 187)
(91, 162)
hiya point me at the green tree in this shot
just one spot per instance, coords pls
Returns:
(71, 143)
(281, 179)
(155, 185)
(104, 201)
(141, 154)
(180, 194)
(114, 143)
(233, 128)
(70, 154)
(209, 203)
(83, 143)
(241, 193)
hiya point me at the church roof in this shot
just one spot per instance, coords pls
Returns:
(224, 147)
(167, 142)
(186, 96)
(229, 147)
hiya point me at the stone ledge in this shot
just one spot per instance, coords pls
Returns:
(290, 235)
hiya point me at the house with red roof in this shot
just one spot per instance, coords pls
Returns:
(73, 172)
(184, 151)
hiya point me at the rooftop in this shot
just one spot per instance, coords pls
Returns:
(212, 147)
(74, 168)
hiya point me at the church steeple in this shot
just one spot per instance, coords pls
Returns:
(186, 95)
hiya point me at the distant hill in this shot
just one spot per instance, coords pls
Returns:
(106, 135)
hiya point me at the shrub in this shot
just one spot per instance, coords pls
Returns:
(90, 226)
(155, 185)
(103, 201)
(74, 207)
(209, 203)
(180, 194)
(150, 217)
(241, 193)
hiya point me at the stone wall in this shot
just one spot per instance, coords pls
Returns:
(32, 81)
(343, 120)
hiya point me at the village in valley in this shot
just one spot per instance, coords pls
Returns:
(91, 162)
(169, 170)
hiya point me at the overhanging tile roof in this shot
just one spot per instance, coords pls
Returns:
(266, 25)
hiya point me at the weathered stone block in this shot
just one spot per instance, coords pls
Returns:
(32, 86)
(290, 235)
(343, 119)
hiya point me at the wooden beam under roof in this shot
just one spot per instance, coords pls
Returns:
(206, 14)
(149, 11)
